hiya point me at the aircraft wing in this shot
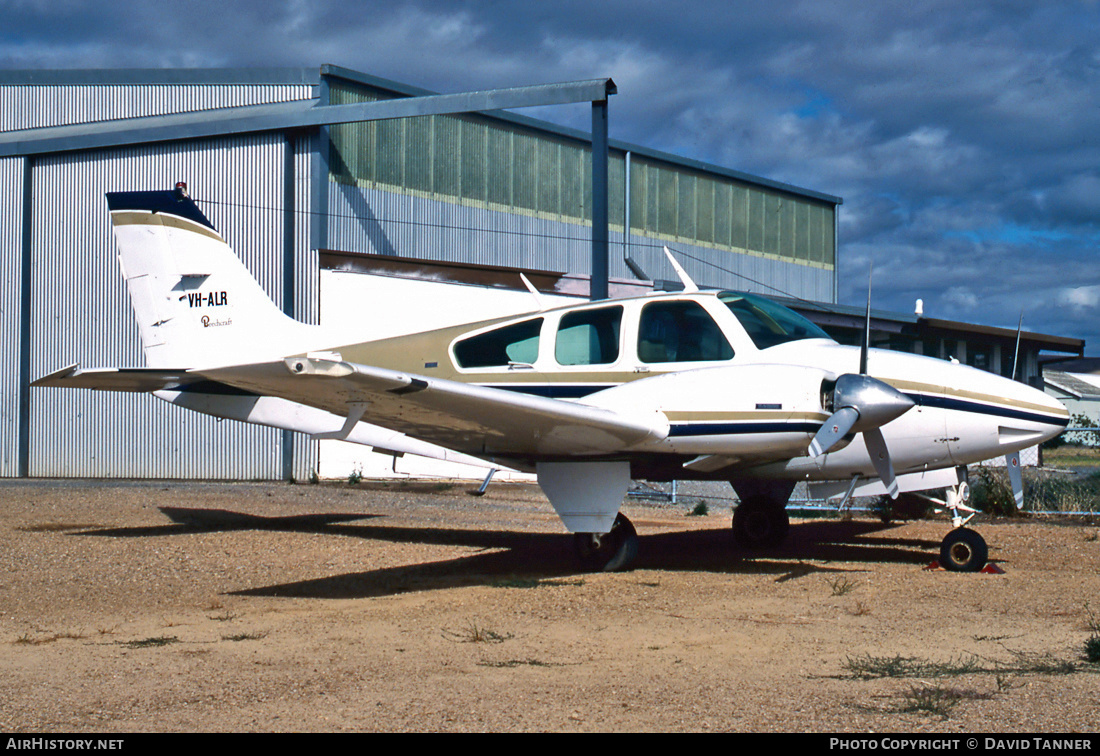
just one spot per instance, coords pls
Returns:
(473, 419)
(115, 379)
(195, 391)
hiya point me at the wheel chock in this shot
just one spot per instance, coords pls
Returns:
(989, 569)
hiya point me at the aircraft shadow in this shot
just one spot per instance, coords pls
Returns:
(187, 520)
(525, 559)
(515, 558)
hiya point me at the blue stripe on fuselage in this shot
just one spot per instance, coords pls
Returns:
(962, 405)
(734, 429)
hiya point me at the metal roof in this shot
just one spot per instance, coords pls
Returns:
(282, 116)
(1071, 384)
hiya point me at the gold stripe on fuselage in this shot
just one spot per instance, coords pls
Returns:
(142, 218)
(998, 401)
(718, 415)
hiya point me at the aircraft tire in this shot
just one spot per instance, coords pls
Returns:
(610, 552)
(963, 550)
(760, 525)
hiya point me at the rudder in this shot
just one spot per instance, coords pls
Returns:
(195, 302)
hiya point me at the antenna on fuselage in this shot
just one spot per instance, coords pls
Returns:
(865, 347)
(1016, 355)
(689, 285)
(539, 301)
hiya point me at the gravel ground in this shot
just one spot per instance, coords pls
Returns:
(414, 607)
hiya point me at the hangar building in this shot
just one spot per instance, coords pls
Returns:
(310, 205)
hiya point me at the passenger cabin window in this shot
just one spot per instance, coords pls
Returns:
(517, 343)
(768, 323)
(680, 332)
(589, 337)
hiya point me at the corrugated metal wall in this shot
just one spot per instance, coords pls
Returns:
(35, 106)
(81, 310)
(382, 222)
(11, 248)
(307, 285)
(533, 189)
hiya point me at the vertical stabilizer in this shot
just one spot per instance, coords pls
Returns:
(195, 302)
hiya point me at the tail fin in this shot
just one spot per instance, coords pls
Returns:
(196, 304)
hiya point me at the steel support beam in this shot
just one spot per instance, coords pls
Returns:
(286, 437)
(289, 115)
(23, 445)
(600, 264)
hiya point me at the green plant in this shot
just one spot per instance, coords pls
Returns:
(355, 477)
(841, 585)
(991, 492)
(244, 636)
(474, 633)
(872, 667)
(162, 640)
(1092, 649)
(699, 510)
(937, 699)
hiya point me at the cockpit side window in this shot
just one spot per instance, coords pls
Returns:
(768, 323)
(512, 344)
(589, 337)
(680, 332)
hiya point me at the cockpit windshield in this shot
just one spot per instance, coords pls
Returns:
(768, 323)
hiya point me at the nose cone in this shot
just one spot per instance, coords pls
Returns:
(1036, 411)
(1020, 416)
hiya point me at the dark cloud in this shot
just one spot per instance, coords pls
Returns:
(963, 137)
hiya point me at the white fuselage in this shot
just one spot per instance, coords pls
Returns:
(758, 404)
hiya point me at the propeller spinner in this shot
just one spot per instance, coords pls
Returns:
(862, 404)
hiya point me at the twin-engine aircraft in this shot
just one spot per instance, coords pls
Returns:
(706, 385)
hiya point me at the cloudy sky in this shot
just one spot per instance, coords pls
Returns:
(964, 137)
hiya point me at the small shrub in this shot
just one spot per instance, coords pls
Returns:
(937, 700)
(475, 633)
(699, 510)
(991, 492)
(841, 586)
(161, 640)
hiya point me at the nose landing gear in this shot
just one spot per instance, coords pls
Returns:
(962, 550)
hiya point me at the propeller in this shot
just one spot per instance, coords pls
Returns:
(1012, 459)
(862, 404)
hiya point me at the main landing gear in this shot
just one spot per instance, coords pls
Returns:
(608, 552)
(760, 520)
(760, 523)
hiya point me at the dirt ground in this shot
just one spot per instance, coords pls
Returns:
(403, 607)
